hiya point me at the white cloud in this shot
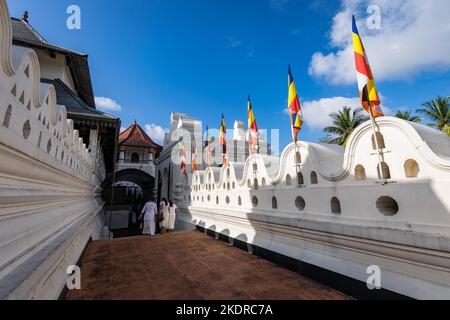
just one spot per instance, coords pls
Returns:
(107, 104)
(278, 4)
(316, 113)
(413, 38)
(233, 42)
(156, 132)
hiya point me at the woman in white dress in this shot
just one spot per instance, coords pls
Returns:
(172, 216)
(149, 211)
(164, 212)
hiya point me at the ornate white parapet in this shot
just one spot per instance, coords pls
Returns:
(50, 202)
(333, 208)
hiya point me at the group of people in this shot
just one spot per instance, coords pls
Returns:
(165, 217)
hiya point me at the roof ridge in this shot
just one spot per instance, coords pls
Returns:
(36, 33)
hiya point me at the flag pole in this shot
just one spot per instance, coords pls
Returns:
(380, 156)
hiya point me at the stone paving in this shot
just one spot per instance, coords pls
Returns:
(187, 266)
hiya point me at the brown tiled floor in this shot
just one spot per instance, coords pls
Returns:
(187, 266)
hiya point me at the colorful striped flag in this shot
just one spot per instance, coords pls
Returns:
(182, 153)
(252, 128)
(294, 106)
(223, 140)
(194, 157)
(368, 92)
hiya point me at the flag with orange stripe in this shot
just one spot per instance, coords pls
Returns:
(294, 106)
(252, 128)
(367, 90)
(223, 140)
(182, 154)
(194, 157)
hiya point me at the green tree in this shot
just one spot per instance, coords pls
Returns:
(406, 115)
(446, 129)
(437, 110)
(345, 122)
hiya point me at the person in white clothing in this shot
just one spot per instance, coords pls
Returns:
(172, 216)
(164, 213)
(149, 212)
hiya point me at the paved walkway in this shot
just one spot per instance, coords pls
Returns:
(187, 266)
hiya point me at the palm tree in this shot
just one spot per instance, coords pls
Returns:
(406, 115)
(446, 129)
(437, 110)
(345, 122)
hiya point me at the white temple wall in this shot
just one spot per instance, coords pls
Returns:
(50, 199)
(411, 245)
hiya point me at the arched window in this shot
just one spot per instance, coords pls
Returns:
(49, 145)
(300, 203)
(249, 183)
(209, 198)
(228, 172)
(298, 157)
(255, 167)
(274, 203)
(411, 169)
(227, 200)
(228, 186)
(387, 206)
(385, 173)
(217, 200)
(263, 182)
(239, 201)
(335, 206)
(300, 180)
(314, 179)
(7, 117)
(380, 140)
(360, 173)
(254, 202)
(288, 180)
(234, 185)
(255, 183)
(26, 129)
(134, 157)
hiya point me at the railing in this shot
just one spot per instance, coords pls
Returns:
(128, 161)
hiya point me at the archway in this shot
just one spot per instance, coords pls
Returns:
(145, 181)
(125, 199)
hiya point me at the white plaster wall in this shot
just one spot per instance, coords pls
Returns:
(50, 202)
(55, 68)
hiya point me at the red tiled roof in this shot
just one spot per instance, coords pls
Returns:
(134, 136)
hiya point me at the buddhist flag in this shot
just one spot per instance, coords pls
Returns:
(294, 106)
(207, 145)
(182, 153)
(368, 92)
(223, 140)
(252, 128)
(194, 157)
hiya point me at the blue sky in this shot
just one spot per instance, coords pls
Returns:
(204, 57)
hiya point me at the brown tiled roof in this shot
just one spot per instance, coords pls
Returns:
(24, 35)
(134, 136)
